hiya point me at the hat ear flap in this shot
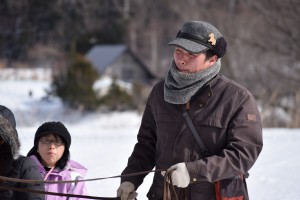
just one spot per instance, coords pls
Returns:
(220, 48)
(178, 34)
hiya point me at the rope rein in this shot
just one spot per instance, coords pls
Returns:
(168, 186)
(56, 193)
(3, 178)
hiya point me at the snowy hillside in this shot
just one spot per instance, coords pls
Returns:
(103, 142)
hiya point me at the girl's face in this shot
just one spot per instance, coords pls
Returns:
(51, 148)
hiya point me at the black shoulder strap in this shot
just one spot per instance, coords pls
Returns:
(204, 150)
(195, 133)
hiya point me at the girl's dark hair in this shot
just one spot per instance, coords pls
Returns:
(62, 162)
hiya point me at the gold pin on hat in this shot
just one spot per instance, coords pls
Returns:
(212, 39)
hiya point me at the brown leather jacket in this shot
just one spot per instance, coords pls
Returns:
(227, 120)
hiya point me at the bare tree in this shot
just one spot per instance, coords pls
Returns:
(278, 42)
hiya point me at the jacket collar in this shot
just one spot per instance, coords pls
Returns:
(201, 98)
(71, 166)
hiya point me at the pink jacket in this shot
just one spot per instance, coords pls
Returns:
(73, 171)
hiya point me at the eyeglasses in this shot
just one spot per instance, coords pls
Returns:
(57, 142)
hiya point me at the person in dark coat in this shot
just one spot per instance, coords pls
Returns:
(224, 114)
(14, 165)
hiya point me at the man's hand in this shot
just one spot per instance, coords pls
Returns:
(126, 191)
(180, 177)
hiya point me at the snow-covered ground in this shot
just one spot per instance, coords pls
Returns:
(103, 142)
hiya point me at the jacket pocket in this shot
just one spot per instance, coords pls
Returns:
(209, 121)
(166, 124)
(212, 132)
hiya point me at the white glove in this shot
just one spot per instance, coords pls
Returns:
(180, 177)
(126, 191)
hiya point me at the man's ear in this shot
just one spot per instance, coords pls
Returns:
(213, 60)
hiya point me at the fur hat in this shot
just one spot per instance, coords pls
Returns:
(198, 36)
(10, 136)
(7, 114)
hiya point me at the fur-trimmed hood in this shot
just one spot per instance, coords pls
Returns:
(10, 137)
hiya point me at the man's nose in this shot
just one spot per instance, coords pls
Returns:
(182, 60)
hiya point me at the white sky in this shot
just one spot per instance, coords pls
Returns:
(103, 143)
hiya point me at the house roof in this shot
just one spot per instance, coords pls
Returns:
(103, 55)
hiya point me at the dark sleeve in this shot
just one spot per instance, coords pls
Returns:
(29, 170)
(143, 155)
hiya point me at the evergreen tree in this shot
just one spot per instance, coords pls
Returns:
(117, 98)
(75, 86)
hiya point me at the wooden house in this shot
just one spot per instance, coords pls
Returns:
(118, 61)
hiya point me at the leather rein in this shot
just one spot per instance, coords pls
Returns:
(167, 185)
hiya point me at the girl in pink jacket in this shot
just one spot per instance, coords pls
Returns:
(51, 153)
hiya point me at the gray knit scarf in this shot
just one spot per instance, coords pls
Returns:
(180, 87)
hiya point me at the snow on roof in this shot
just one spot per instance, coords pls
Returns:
(103, 55)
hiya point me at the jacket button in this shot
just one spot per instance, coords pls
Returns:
(201, 105)
(153, 195)
(209, 94)
(194, 179)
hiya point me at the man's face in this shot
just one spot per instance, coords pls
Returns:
(191, 63)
